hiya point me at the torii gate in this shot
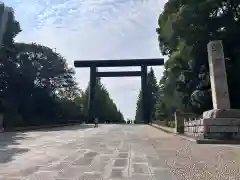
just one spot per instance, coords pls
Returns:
(143, 63)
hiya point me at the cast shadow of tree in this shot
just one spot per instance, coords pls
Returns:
(67, 128)
(9, 142)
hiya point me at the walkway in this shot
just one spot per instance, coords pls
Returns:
(121, 152)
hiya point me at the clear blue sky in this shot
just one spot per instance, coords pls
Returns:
(95, 29)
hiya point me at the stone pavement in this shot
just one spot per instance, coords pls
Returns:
(118, 152)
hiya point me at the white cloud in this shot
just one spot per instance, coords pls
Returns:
(95, 29)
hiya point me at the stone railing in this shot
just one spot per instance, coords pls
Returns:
(188, 123)
(201, 127)
(194, 127)
(184, 123)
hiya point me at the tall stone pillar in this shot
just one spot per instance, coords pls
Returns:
(144, 94)
(219, 85)
(218, 75)
(91, 96)
(221, 121)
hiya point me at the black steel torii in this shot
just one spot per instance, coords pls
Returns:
(143, 63)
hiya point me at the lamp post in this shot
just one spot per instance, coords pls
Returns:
(3, 21)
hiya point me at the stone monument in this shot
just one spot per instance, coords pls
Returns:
(221, 120)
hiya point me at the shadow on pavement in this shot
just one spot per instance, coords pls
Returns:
(10, 141)
(67, 128)
(8, 146)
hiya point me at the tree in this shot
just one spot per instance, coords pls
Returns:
(7, 65)
(39, 76)
(185, 28)
(152, 91)
(37, 86)
(104, 107)
(138, 115)
(41, 70)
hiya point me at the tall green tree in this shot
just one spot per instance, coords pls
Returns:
(152, 93)
(138, 115)
(7, 56)
(185, 28)
(38, 87)
(105, 109)
(36, 84)
(39, 75)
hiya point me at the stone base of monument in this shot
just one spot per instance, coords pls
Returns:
(222, 113)
(221, 124)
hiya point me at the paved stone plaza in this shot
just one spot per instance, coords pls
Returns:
(121, 152)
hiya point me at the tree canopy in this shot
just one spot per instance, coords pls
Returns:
(104, 107)
(38, 87)
(185, 28)
(152, 94)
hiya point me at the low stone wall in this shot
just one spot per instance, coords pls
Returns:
(194, 127)
(220, 128)
(213, 128)
(188, 124)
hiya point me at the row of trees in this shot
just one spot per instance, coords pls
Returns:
(185, 28)
(104, 107)
(152, 94)
(37, 86)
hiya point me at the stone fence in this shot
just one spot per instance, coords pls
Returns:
(191, 125)
(194, 127)
(188, 123)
